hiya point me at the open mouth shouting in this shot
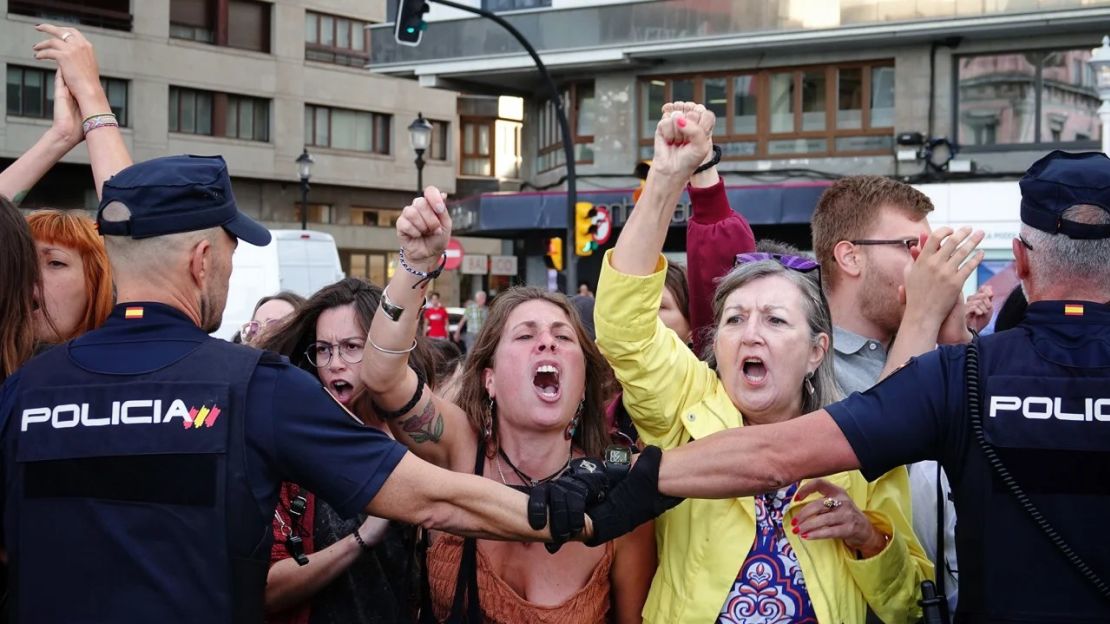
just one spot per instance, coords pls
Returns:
(755, 371)
(342, 390)
(545, 379)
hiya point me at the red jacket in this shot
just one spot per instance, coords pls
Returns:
(715, 233)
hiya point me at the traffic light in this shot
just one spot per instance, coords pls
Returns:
(584, 229)
(410, 21)
(554, 256)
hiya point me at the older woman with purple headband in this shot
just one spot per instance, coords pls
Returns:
(816, 551)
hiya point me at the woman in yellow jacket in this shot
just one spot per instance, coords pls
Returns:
(816, 551)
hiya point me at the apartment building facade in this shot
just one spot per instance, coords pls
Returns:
(804, 91)
(256, 82)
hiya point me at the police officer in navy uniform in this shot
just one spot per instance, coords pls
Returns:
(142, 460)
(1045, 412)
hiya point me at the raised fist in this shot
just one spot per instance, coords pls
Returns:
(424, 229)
(682, 139)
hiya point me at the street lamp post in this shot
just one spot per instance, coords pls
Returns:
(304, 170)
(420, 133)
(1100, 62)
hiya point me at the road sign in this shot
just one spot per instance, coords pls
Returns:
(454, 255)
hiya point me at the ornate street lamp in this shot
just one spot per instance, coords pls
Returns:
(420, 133)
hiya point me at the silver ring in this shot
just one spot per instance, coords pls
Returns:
(66, 36)
(831, 503)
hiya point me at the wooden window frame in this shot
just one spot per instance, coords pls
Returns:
(48, 93)
(763, 136)
(374, 135)
(336, 51)
(220, 104)
(467, 123)
(444, 128)
(219, 11)
(86, 15)
(570, 105)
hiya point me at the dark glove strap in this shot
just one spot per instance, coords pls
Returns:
(633, 502)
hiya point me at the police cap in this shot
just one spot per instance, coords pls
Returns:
(1062, 180)
(176, 194)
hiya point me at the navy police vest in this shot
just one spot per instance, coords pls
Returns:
(127, 494)
(1045, 393)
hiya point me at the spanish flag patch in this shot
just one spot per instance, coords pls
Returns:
(133, 313)
(1073, 309)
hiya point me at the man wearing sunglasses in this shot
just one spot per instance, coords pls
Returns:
(1024, 435)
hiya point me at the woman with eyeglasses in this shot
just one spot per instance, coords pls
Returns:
(268, 313)
(822, 550)
(357, 571)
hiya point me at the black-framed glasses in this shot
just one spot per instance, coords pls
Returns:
(1024, 242)
(319, 354)
(908, 243)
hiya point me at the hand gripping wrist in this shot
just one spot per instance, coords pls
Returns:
(561, 504)
(632, 502)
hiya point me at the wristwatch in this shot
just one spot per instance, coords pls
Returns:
(618, 461)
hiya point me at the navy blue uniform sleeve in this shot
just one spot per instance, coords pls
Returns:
(906, 417)
(320, 446)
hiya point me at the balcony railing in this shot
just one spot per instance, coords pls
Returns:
(666, 21)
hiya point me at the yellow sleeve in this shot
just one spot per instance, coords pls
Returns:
(891, 580)
(659, 373)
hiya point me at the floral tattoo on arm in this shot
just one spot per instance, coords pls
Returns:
(426, 426)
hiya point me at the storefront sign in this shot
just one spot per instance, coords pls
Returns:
(475, 264)
(502, 265)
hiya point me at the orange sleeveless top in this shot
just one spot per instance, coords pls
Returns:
(501, 604)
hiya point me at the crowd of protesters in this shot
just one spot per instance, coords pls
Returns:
(748, 333)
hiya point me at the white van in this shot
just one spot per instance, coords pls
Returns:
(300, 261)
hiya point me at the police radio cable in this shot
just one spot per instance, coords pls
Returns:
(972, 373)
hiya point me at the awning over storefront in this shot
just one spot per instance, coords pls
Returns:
(508, 214)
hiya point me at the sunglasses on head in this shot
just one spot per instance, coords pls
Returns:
(795, 263)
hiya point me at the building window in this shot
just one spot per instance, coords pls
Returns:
(581, 115)
(192, 111)
(437, 148)
(477, 147)
(317, 213)
(339, 40)
(514, 5)
(114, 14)
(243, 24)
(31, 94)
(247, 118)
(843, 109)
(374, 266)
(1036, 97)
(340, 128)
(375, 217)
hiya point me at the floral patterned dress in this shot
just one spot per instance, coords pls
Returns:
(769, 588)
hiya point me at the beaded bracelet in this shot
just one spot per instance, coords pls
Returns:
(424, 277)
(104, 120)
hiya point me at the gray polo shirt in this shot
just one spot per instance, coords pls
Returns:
(859, 361)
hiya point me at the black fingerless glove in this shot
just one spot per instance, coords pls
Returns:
(563, 501)
(632, 502)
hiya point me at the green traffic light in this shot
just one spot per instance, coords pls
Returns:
(410, 30)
